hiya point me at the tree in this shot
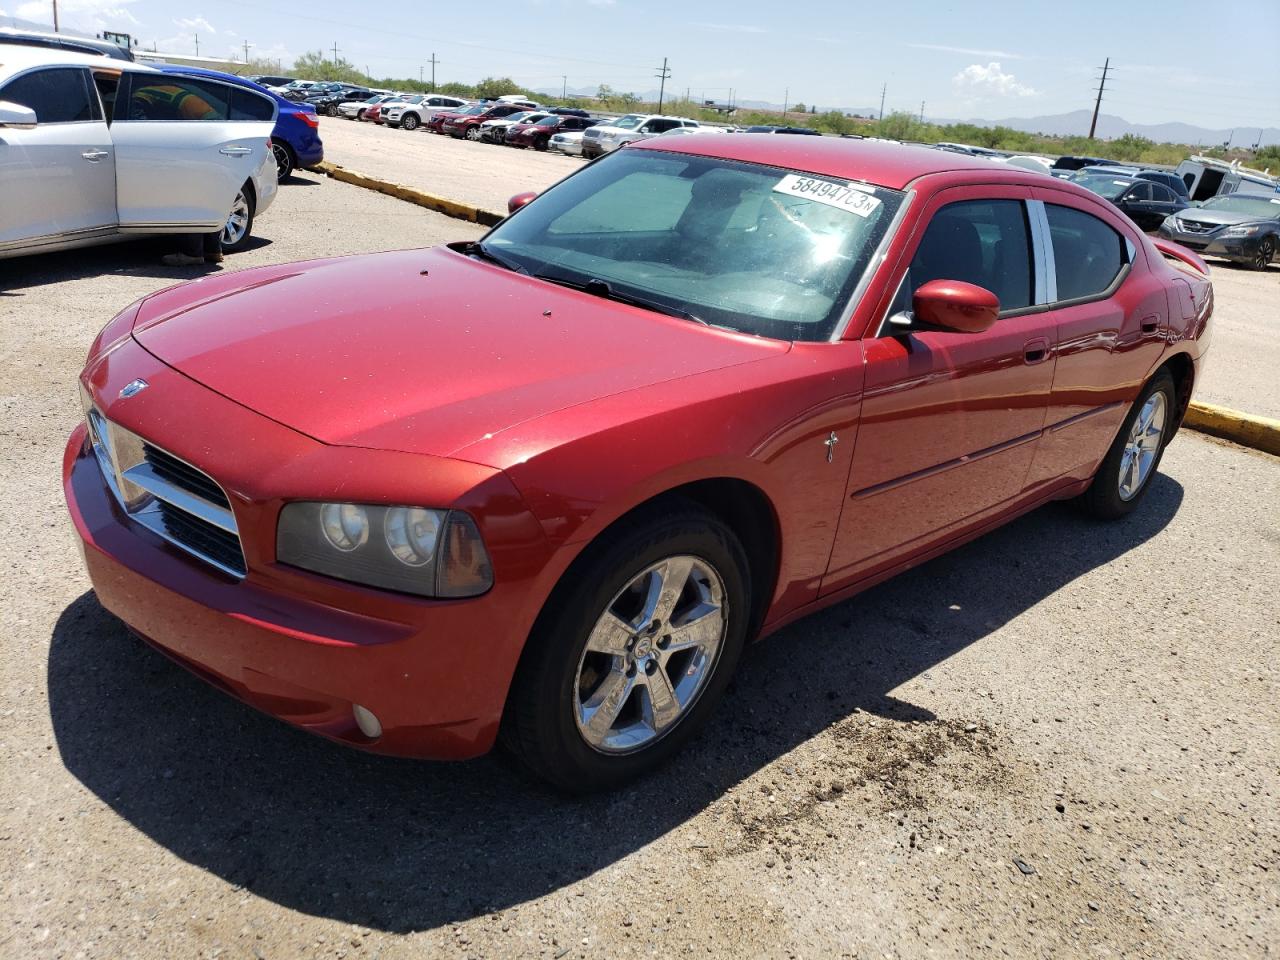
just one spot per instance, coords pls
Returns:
(313, 65)
(628, 99)
(800, 108)
(496, 87)
(605, 92)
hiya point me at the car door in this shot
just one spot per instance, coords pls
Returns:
(950, 420)
(1137, 205)
(1110, 317)
(58, 178)
(1164, 203)
(180, 157)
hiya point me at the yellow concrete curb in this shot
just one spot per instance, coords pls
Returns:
(451, 208)
(1260, 433)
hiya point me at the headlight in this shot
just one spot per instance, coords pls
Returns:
(432, 553)
(1241, 231)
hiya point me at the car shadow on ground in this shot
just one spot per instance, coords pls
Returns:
(399, 845)
(134, 258)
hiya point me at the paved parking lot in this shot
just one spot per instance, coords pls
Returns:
(1061, 740)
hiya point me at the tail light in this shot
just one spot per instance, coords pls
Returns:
(310, 119)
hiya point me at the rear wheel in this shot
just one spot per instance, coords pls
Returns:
(634, 656)
(541, 143)
(239, 226)
(285, 160)
(409, 121)
(1126, 472)
(1266, 250)
(473, 133)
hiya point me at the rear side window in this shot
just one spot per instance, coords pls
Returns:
(247, 105)
(983, 242)
(1162, 193)
(57, 96)
(171, 98)
(1087, 254)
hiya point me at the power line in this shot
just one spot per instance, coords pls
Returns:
(1093, 124)
(663, 74)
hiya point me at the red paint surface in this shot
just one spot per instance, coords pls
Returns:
(361, 379)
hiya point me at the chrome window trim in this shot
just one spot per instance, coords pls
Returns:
(1042, 244)
(86, 76)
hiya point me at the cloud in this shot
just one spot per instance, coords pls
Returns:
(730, 27)
(196, 24)
(89, 16)
(978, 82)
(1002, 54)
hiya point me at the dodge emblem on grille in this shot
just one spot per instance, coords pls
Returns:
(133, 388)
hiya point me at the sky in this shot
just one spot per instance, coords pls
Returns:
(1173, 61)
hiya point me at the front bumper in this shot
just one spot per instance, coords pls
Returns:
(298, 646)
(1240, 249)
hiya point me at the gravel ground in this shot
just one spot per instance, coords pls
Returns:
(1246, 350)
(1061, 740)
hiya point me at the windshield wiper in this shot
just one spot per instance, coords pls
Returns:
(601, 288)
(478, 249)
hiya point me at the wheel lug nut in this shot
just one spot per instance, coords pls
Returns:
(651, 668)
(665, 642)
(631, 670)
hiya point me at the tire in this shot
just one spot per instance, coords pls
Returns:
(1120, 484)
(332, 111)
(239, 226)
(1266, 250)
(541, 143)
(359, 115)
(285, 160)
(549, 723)
(472, 134)
(409, 122)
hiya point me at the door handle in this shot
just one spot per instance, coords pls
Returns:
(93, 156)
(235, 151)
(1150, 324)
(1036, 351)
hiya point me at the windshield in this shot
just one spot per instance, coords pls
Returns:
(629, 122)
(1259, 207)
(478, 109)
(548, 121)
(516, 117)
(752, 248)
(1108, 187)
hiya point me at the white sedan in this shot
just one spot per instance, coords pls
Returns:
(569, 143)
(94, 149)
(412, 112)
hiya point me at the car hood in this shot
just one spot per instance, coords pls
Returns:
(1222, 217)
(422, 351)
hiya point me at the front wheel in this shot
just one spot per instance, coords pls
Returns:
(473, 134)
(541, 143)
(1125, 474)
(409, 122)
(632, 658)
(239, 226)
(1266, 250)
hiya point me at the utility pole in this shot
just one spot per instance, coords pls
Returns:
(1097, 105)
(335, 53)
(883, 89)
(662, 75)
(786, 101)
(433, 61)
(922, 111)
(55, 16)
(564, 87)
(197, 36)
(247, 45)
(420, 80)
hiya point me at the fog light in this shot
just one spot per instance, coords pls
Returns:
(367, 722)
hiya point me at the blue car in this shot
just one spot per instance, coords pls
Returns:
(296, 137)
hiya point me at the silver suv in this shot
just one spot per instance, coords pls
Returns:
(612, 134)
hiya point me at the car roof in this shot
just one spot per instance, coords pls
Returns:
(16, 57)
(885, 164)
(65, 41)
(182, 69)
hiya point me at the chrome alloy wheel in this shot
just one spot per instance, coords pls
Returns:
(650, 654)
(237, 221)
(1143, 445)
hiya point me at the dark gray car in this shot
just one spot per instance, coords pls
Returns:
(1241, 227)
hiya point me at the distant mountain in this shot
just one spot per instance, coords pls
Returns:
(1076, 124)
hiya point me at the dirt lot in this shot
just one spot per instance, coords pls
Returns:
(1246, 352)
(1059, 741)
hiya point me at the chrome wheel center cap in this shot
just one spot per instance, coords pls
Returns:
(642, 649)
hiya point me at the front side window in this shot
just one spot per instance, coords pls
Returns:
(60, 95)
(749, 247)
(1087, 254)
(171, 98)
(983, 242)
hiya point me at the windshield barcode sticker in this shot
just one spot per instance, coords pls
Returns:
(842, 196)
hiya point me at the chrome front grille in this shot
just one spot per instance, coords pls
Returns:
(173, 499)
(1195, 226)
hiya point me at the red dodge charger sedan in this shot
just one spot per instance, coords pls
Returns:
(546, 485)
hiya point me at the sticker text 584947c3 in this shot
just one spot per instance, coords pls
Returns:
(842, 196)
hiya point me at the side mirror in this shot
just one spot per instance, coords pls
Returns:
(16, 116)
(519, 200)
(956, 305)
